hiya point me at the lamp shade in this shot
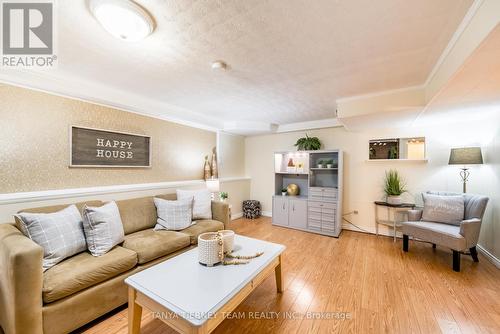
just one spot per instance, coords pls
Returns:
(213, 185)
(466, 156)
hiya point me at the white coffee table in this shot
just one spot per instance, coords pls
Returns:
(192, 298)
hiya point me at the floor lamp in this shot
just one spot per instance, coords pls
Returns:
(465, 156)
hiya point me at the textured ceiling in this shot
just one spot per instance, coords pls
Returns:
(290, 60)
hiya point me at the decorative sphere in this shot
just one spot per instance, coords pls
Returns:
(293, 189)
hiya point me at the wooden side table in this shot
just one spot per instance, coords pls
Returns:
(395, 210)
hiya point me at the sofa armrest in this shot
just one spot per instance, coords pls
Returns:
(21, 280)
(470, 229)
(415, 215)
(220, 212)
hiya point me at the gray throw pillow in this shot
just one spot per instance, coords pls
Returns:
(443, 209)
(202, 202)
(103, 228)
(173, 215)
(60, 234)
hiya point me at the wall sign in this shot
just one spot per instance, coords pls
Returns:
(100, 148)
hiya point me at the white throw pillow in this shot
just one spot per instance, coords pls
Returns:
(202, 202)
(103, 228)
(173, 215)
(60, 233)
(443, 209)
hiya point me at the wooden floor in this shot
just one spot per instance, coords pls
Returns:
(367, 279)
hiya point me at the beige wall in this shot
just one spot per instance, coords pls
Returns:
(34, 144)
(363, 179)
(231, 150)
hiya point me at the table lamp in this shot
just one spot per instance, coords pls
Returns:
(465, 156)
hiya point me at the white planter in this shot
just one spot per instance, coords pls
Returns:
(283, 193)
(228, 240)
(394, 200)
(320, 166)
(210, 248)
(329, 166)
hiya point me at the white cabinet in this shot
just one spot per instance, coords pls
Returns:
(319, 176)
(297, 213)
(280, 210)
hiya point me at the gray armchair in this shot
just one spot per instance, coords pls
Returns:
(459, 237)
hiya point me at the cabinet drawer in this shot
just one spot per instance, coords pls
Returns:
(328, 229)
(314, 215)
(326, 217)
(313, 223)
(330, 193)
(328, 211)
(322, 205)
(314, 209)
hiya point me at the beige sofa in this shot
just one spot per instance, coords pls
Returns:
(82, 288)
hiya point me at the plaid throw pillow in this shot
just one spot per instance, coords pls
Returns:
(60, 234)
(173, 215)
(103, 228)
(202, 202)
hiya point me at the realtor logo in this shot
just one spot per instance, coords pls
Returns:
(28, 34)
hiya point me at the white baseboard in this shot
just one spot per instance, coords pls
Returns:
(492, 258)
(236, 215)
(267, 213)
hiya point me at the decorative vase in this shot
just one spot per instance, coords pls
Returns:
(215, 170)
(293, 189)
(394, 200)
(207, 172)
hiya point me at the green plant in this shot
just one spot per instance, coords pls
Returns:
(329, 162)
(393, 153)
(308, 143)
(321, 162)
(224, 195)
(284, 190)
(393, 184)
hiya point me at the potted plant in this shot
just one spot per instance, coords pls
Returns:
(394, 187)
(329, 163)
(223, 196)
(308, 143)
(321, 163)
(284, 191)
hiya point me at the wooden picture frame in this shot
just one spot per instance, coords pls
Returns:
(99, 148)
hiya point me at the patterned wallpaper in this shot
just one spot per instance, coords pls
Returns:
(34, 144)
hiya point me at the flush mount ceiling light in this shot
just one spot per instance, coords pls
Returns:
(123, 19)
(219, 65)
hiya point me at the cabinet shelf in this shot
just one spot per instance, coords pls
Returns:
(325, 169)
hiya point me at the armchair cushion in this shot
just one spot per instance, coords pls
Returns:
(442, 234)
(443, 209)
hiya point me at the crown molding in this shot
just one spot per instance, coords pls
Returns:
(309, 125)
(136, 104)
(454, 39)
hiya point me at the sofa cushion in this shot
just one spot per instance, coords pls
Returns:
(137, 214)
(150, 244)
(84, 270)
(441, 234)
(443, 209)
(200, 227)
